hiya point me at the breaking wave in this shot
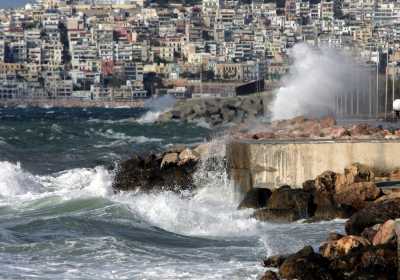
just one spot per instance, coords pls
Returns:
(97, 234)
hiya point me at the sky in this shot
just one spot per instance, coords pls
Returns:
(13, 3)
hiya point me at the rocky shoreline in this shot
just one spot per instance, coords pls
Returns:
(368, 251)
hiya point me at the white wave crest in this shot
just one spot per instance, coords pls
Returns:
(121, 139)
(15, 181)
(69, 184)
(157, 106)
(150, 117)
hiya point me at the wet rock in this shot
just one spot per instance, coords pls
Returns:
(332, 236)
(370, 232)
(309, 186)
(341, 247)
(169, 159)
(305, 265)
(202, 150)
(145, 173)
(255, 198)
(367, 262)
(357, 195)
(327, 121)
(274, 261)
(270, 275)
(354, 173)
(375, 213)
(326, 182)
(326, 207)
(187, 155)
(286, 204)
(385, 233)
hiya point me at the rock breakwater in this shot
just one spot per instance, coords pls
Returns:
(219, 111)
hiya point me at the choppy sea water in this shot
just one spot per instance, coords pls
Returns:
(59, 218)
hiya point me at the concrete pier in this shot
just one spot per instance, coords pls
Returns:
(273, 163)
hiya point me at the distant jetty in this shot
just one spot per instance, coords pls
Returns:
(71, 103)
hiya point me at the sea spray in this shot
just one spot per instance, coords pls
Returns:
(315, 78)
(15, 181)
(157, 106)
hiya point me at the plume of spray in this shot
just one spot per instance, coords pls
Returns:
(157, 106)
(313, 82)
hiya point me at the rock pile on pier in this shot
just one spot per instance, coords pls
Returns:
(217, 111)
(323, 128)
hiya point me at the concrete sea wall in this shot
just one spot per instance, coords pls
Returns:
(270, 164)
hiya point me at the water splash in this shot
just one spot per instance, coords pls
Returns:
(157, 106)
(316, 77)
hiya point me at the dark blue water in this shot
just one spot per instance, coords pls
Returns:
(59, 218)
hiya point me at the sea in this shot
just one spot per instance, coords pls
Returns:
(60, 219)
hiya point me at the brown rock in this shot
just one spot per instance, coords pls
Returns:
(327, 121)
(274, 261)
(332, 236)
(360, 129)
(305, 265)
(369, 232)
(327, 208)
(170, 158)
(354, 173)
(309, 186)
(286, 205)
(325, 182)
(339, 132)
(367, 262)
(342, 246)
(270, 275)
(386, 233)
(187, 155)
(255, 198)
(375, 213)
(357, 195)
(264, 135)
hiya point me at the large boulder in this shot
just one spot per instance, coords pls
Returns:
(286, 205)
(385, 233)
(327, 208)
(255, 198)
(367, 262)
(354, 173)
(357, 194)
(341, 247)
(274, 261)
(154, 172)
(326, 182)
(305, 265)
(375, 213)
(270, 275)
(324, 203)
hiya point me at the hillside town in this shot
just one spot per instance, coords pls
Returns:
(135, 49)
